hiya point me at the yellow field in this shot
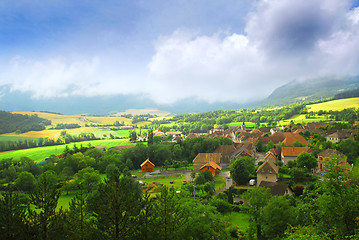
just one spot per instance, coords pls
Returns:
(109, 120)
(336, 105)
(56, 118)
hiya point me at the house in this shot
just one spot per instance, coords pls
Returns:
(242, 151)
(227, 157)
(174, 134)
(216, 129)
(120, 148)
(268, 171)
(291, 138)
(203, 158)
(276, 188)
(177, 139)
(291, 153)
(323, 156)
(270, 157)
(147, 166)
(213, 167)
(338, 136)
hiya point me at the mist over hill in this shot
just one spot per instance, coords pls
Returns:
(314, 89)
(106, 105)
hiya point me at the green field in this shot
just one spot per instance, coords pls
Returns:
(165, 180)
(39, 154)
(248, 124)
(239, 219)
(15, 138)
(335, 105)
(300, 118)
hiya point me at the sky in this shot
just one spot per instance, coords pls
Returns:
(213, 50)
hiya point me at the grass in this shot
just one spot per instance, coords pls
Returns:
(239, 219)
(248, 124)
(335, 105)
(165, 180)
(16, 138)
(219, 183)
(40, 153)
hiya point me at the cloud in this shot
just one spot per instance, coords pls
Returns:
(283, 41)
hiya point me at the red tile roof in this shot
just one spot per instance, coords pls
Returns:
(293, 151)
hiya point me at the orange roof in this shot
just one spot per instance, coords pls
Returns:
(173, 133)
(293, 151)
(147, 161)
(211, 164)
(207, 157)
(267, 166)
(292, 138)
(270, 154)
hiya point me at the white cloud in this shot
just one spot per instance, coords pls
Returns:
(284, 40)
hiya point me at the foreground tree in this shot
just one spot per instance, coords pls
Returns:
(44, 198)
(117, 204)
(241, 170)
(12, 216)
(307, 161)
(257, 199)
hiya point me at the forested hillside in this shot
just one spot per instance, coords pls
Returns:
(21, 123)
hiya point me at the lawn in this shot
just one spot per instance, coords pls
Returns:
(239, 219)
(335, 105)
(165, 180)
(40, 153)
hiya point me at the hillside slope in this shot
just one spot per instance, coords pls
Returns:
(297, 91)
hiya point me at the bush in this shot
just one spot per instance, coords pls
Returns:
(222, 206)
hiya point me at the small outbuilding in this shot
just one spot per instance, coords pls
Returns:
(213, 167)
(147, 166)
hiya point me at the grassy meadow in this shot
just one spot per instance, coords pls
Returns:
(335, 105)
(40, 153)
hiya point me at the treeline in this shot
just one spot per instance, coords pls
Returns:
(43, 142)
(141, 118)
(31, 143)
(19, 123)
(66, 126)
(347, 94)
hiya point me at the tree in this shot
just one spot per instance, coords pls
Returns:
(79, 220)
(277, 216)
(241, 169)
(12, 216)
(257, 199)
(25, 182)
(87, 178)
(44, 198)
(307, 161)
(117, 205)
(259, 146)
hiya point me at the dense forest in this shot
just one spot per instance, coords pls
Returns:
(10, 122)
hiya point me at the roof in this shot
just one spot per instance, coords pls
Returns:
(173, 133)
(270, 154)
(275, 151)
(276, 189)
(293, 151)
(330, 152)
(225, 149)
(207, 157)
(147, 161)
(340, 134)
(267, 167)
(292, 138)
(211, 164)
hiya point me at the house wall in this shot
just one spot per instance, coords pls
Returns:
(333, 139)
(148, 168)
(269, 177)
(211, 169)
(197, 166)
(285, 160)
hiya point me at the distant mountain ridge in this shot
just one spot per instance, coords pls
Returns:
(315, 89)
